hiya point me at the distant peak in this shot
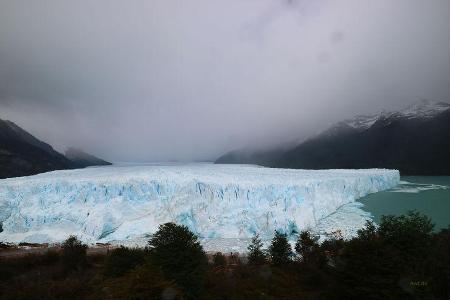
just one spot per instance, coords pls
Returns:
(425, 108)
(83, 159)
(11, 124)
(421, 109)
(362, 122)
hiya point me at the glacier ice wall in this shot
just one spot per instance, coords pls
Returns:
(214, 201)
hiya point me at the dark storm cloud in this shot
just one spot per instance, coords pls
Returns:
(156, 80)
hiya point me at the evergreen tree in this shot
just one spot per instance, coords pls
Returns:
(309, 250)
(280, 250)
(256, 255)
(178, 253)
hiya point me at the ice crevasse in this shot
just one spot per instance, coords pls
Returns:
(214, 201)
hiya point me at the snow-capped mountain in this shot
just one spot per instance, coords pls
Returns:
(415, 140)
(361, 122)
(424, 109)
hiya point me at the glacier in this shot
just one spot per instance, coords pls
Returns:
(126, 202)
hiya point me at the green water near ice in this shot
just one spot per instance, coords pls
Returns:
(429, 195)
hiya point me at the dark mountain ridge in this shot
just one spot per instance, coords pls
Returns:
(82, 159)
(415, 141)
(21, 154)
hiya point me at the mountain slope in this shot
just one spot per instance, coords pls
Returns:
(415, 141)
(82, 159)
(257, 157)
(413, 146)
(22, 154)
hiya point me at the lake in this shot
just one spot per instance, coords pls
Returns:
(429, 195)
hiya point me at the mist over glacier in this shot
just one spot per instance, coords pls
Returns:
(175, 80)
(214, 201)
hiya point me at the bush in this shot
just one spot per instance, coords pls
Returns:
(73, 254)
(6, 245)
(143, 282)
(409, 234)
(387, 261)
(234, 259)
(256, 255)
(439, 264)
(178, 253)
(50, 257)
(372, 265)
(219, 260)
(280, 251)
(121, 260)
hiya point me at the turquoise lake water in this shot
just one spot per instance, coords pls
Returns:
(429, 195)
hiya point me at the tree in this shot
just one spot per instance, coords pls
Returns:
(219, 260)
(333, 247)
(178, 253)
(309, 250)
(409, 234)
(121, 260)
(256, 255)
(386, 260)
(73, 254)
(280, 250)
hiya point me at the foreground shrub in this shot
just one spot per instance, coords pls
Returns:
(388, 261)
(50, 257)
(439, 264)
(219, 260)
(143, 282)
(178, 253)
(234, 260)
(6, 245)
(73, 254)
(121, 260)
(17, 265)
(409, 234)
(38, 288)
(376, 264)
(280, 250)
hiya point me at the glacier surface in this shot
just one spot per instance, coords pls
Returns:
(120, 203)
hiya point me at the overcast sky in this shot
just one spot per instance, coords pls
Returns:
(174, 79)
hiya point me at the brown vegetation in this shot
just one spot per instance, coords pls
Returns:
(402, 258)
